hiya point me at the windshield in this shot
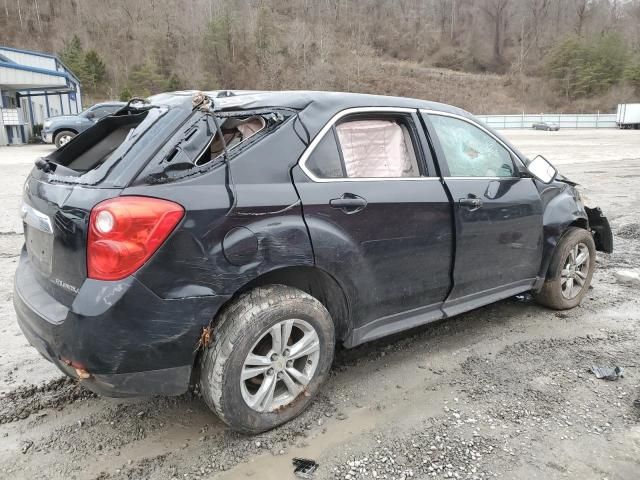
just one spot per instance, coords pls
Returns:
(99, 111)
(85, 112)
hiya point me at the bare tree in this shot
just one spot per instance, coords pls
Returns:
(583, 10)
(365, 45)
(498, 13)
(539, 10)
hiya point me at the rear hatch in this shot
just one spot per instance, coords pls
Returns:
(64, 186)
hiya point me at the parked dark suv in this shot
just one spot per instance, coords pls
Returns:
(233, 238)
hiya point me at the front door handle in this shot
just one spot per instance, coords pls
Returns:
(348, 203)
(472, 203)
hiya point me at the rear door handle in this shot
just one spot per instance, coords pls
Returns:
(348, 203)
(472, 203)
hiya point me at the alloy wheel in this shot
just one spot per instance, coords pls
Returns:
(575, 271)
(280, 365)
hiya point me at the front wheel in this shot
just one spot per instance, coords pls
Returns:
(63, 137)
(570, 271)
(272, 349)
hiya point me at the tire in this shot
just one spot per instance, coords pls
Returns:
(245, 327)
(556, 292)
(63, 137)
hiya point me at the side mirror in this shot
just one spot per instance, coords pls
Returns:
(91, 115)
(542, 170)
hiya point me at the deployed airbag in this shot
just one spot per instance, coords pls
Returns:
(376, 148)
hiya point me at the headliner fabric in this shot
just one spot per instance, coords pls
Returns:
(376, 148)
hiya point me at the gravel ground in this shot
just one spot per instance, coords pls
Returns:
(500, 392)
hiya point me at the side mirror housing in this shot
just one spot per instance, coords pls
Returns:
(91, 115)
(542, 169)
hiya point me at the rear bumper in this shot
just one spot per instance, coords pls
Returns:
(132, 342)
(47, 136)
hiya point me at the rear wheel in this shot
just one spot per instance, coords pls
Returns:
(570, 271)
(272, 350)
(63, 137)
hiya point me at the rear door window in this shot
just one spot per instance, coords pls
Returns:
(325, 161)
(366, 148)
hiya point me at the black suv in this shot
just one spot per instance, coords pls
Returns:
(233, 238)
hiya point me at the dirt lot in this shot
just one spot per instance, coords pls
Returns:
(502, 391)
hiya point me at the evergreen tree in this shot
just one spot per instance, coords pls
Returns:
(586, 68)
(173, 83)
(72, 56)
(125, 94)
(145, 79)
(632, 75)
(94, 67)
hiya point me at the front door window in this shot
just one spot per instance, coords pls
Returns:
(469, 151)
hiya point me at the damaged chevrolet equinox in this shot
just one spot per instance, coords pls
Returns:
(232, 239)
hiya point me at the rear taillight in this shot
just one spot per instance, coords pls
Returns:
(125, 231)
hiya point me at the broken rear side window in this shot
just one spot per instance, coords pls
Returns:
(234, 131)
(199, 145)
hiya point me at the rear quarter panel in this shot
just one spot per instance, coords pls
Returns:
(232, 234)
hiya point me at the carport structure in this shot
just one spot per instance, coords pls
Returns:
(33, 86)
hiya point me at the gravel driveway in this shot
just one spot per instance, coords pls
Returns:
(500, 392)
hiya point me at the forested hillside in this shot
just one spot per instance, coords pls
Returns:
(489, 56)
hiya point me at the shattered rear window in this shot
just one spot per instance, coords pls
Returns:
(90, 156)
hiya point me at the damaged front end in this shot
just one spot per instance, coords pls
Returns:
(599, 226)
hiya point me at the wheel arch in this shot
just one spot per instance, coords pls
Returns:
(562, 211)
(314, 281)
(62, 129)
(310, 279)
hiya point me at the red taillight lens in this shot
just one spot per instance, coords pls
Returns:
(125, 231)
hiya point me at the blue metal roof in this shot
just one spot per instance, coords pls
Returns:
(42, 54)
(26, 68)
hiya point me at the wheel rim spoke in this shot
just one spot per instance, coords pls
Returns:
(264, 396)
(582, 257)
(251, 372)
(276, 338)
(287, 325)
(257, 360)
(305, 346)
(569, 284)
(293, 388)
(300, 377)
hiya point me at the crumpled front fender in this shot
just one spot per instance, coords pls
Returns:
(599, 225)
(562, 209)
